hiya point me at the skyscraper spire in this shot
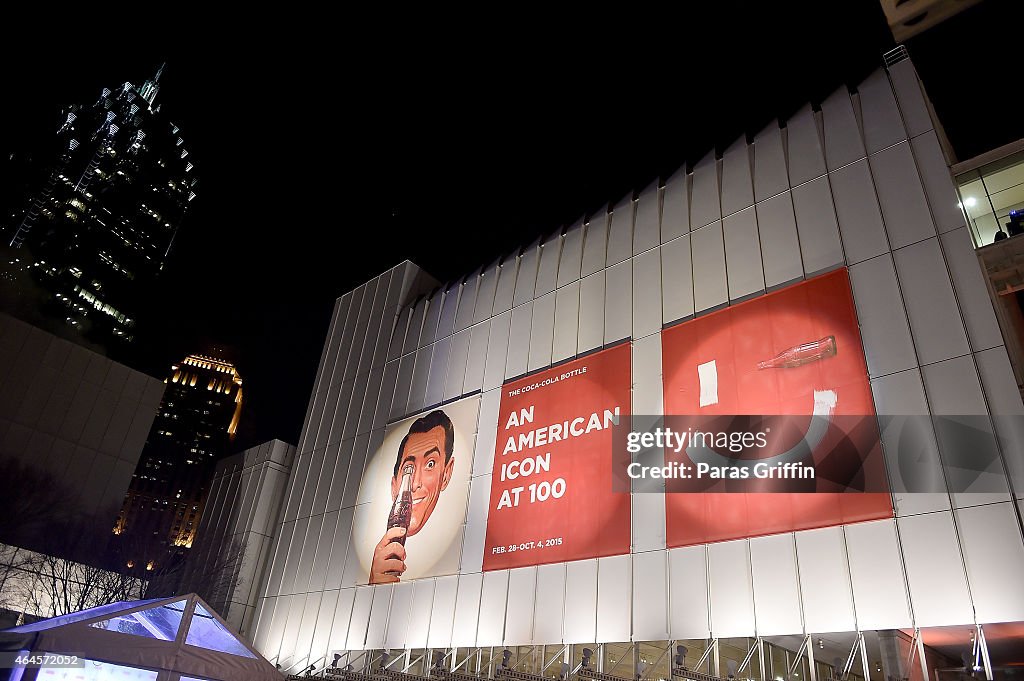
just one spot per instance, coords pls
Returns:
(151, 87)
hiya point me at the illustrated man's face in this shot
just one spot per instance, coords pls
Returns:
(431, 474)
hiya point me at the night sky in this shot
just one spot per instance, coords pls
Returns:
(330, 150)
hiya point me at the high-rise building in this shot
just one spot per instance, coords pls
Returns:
(197, 419)
(91, 240)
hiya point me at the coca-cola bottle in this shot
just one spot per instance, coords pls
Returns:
(401, 510)
(805, 353)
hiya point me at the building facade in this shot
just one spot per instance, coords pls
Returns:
(196, 421)
(72, 427)
(831, 245)
(92, 240)
(238, 524)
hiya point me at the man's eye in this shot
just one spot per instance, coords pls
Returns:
(430, 464)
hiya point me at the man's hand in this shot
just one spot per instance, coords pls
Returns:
(388, 557)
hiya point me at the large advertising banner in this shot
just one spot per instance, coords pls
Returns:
(411, 507)
(791, 359)
(551, 488)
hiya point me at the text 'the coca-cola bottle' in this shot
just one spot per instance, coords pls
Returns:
(802, 354)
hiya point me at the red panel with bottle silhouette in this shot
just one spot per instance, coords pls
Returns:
(551, 488)
(795, 351)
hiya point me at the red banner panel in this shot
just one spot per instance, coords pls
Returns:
(551, 488)
(793, 352)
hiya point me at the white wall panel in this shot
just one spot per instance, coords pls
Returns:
(303, 644)
(705, 206)
(688, 588)
(581, 593)
(677, 279)
(401, 609)
(567, 317)
(994, 554)
(442, 614)
(485, 292)
(879, 113)
(420, 373)
(806, 156)
(780, 245)
(646, 363)
(732, 601)
(572, 255)
(909, 444)
(842, 134)
(439, 321)
(309, 545)
(339, 550)
(476, 524)
(771, 176)
(339, 472)
(419, 614)
(369, 400)
(883, 323)
(901, 196)
(400, 402)
(650, 596)
(550, 609)
(774, 576)
(526, 277)
(710, 285)
(816, 223)
(595, 243)
(487, 432)
(911, 97)
(357, 625)
(380, 606)
(968, 281)
(824, 581)
(743, 254)
(547, 271)
(438, 372)
(497, 350)
(591, 333)
(491, 629)
(342, 617)
(319, 647)
(467, 609)
(542, 331)
(290, 635)
(618, 301)
(928, 295)
(954, 391)
(457, 361)
(360, 447)
(938, 184)
(294, 553)
(522, 585)
(935, 571)
(1007, 411)
(353, 573)
(737, 180)
(613, 599)
(620, 231)
(646, 232)
(506, 285)
(467, 302)
(474, 379)
(675, 219)
(647, 293)
(398, 337)
(519, 341)
(432, 316)
(860, 220)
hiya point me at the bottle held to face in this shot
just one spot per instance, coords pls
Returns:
(802, 354)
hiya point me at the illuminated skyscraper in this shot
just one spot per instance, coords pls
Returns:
(197, 420)
(90, 241)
